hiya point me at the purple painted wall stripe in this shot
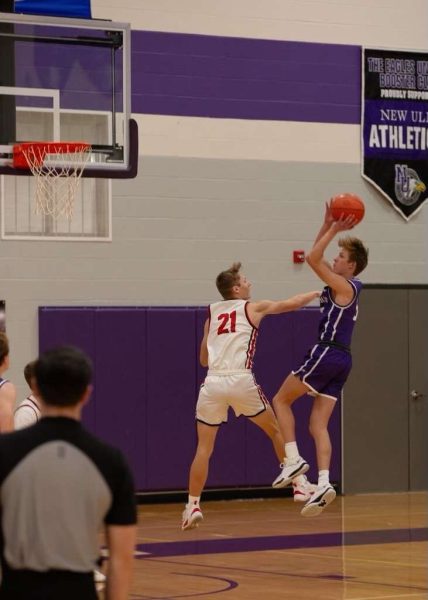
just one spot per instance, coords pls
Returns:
(185, 43)
(207, 76)
(212, 76)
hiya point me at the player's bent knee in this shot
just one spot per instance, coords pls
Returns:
(276, 401)
(280, 400)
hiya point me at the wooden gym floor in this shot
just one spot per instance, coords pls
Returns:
(367, 547)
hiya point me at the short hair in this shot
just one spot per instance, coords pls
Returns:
(358, 253)
(29, 372)
(227, 279)
(62, 375)
(4, 346)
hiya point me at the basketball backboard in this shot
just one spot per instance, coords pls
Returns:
(67, 79)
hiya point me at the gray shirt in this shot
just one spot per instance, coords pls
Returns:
(58, 486)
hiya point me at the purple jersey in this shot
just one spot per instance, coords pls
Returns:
(337, 322)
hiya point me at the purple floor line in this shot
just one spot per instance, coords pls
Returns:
(283, 542)
(293, 575)
(230, 585)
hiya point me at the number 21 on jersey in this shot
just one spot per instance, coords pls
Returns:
(227, 323)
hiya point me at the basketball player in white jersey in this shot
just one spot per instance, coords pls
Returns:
(7, 389)
(227, 349)
(28, 412)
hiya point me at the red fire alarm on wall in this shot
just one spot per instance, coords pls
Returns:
(298, 256)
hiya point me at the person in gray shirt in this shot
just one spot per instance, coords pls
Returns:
(59, 486)
(28, 413)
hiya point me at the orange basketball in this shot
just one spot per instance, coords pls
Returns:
(347, 204)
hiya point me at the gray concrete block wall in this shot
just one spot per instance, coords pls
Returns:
(181, 221)
(186, 217)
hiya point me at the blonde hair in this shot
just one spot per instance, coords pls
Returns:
(226, 280)
(358, 253)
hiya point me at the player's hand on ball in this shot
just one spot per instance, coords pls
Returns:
(345, 222)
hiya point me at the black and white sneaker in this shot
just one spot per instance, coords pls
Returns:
(291, 468)
(322, 497)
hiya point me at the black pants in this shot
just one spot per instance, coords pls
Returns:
(51, 585)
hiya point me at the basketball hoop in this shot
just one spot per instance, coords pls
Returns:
(57, 168)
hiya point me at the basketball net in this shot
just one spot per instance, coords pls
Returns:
(57, 169)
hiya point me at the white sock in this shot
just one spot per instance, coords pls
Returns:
(323, 477)
(291, 450)
(193, 500)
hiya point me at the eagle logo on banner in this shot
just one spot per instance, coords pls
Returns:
(394, 126)
(408, 185)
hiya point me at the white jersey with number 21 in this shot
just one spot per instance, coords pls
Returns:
(231, 336)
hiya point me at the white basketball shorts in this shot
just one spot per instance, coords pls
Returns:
(222, 389)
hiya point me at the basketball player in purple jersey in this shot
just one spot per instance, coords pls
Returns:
(227, 349)
(326, 367)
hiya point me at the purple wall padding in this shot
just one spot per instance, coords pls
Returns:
(147, 378)
(171, 370)
(120, 384)
(75, 326)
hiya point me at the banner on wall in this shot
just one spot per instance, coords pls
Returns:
(394, 127)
